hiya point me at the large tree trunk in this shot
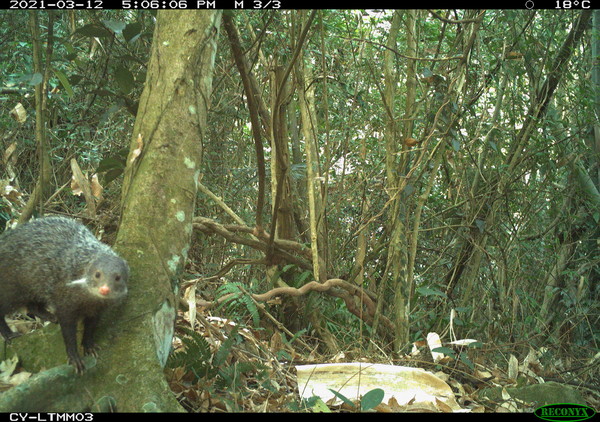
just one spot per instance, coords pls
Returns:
(158, 201)
(159, 193)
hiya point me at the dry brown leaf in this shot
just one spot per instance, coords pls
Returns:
(9, 153)
(433, 341)
(393, 403)
(75, 188)
(276, 343)
(190, 297)
(19, 113)
(384, 408)
(410, 142)
(96, 187)
(513, 367)
(12, 194)
(138, 150)
(441, 406)
(514, 55)
(81, 185)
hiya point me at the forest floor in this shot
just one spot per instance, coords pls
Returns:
(220, 367)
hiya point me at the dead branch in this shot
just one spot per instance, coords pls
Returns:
(359, 301)
(283, 248)
(354, 296)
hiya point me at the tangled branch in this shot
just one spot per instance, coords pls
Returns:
(283, 249)
(358, 301)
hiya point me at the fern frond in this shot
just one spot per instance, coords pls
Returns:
(195, 356)
(238, 300)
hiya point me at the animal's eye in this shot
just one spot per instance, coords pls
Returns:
(117, 278)
(98, 274)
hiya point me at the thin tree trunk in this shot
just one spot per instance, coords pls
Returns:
(397, 258)
(36, 199)
(309, 125)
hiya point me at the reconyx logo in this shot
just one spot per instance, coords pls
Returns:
(564, 412)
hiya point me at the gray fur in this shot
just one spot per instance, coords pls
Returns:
(56, 263)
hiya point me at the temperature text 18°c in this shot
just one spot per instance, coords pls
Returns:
(572, 4)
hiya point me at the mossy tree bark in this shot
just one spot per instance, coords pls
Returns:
(159, 193)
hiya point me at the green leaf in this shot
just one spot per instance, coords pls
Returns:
(463, 309)
(372, 399)
(93, 30)
(427, 291)
(111, 175)
(445, 350)
(287, 267)
(101, 92)
(319, 406)
(296, 335)
(106, 115)
(464, 359)
(427, 72)
(75, 79)
(343, 398)
(64, 82)
(110, 163)
(456, 144)
(132, 32)
(221, 354)
(480, 225)
(124, 79)
(305, 275)
(195, 356)
(36, 78)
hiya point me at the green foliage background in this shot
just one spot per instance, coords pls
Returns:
(98, 70)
